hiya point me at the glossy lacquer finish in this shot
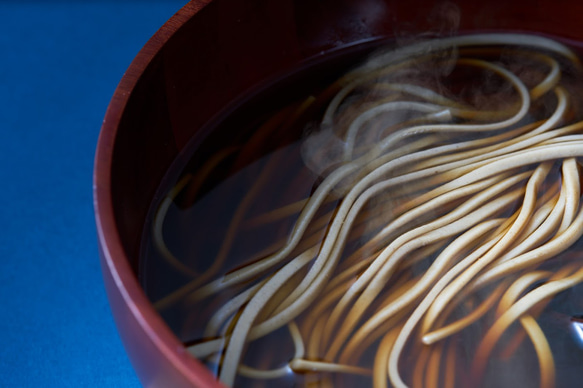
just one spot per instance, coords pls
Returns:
(209, 53)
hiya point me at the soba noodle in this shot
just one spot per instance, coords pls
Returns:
(478, 186)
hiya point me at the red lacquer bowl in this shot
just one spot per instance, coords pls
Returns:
(204, 57)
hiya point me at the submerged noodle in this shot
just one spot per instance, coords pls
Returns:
(445, 201)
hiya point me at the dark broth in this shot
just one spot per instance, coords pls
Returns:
(240, 161)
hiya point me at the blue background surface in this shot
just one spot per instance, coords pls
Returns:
(60, 62)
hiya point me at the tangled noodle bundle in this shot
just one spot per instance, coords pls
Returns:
(453, 166)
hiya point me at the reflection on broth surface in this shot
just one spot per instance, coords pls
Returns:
(415, 221)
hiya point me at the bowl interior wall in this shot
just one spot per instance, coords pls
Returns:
(231, 46)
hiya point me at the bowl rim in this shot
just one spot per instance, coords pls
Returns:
(114, 260)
